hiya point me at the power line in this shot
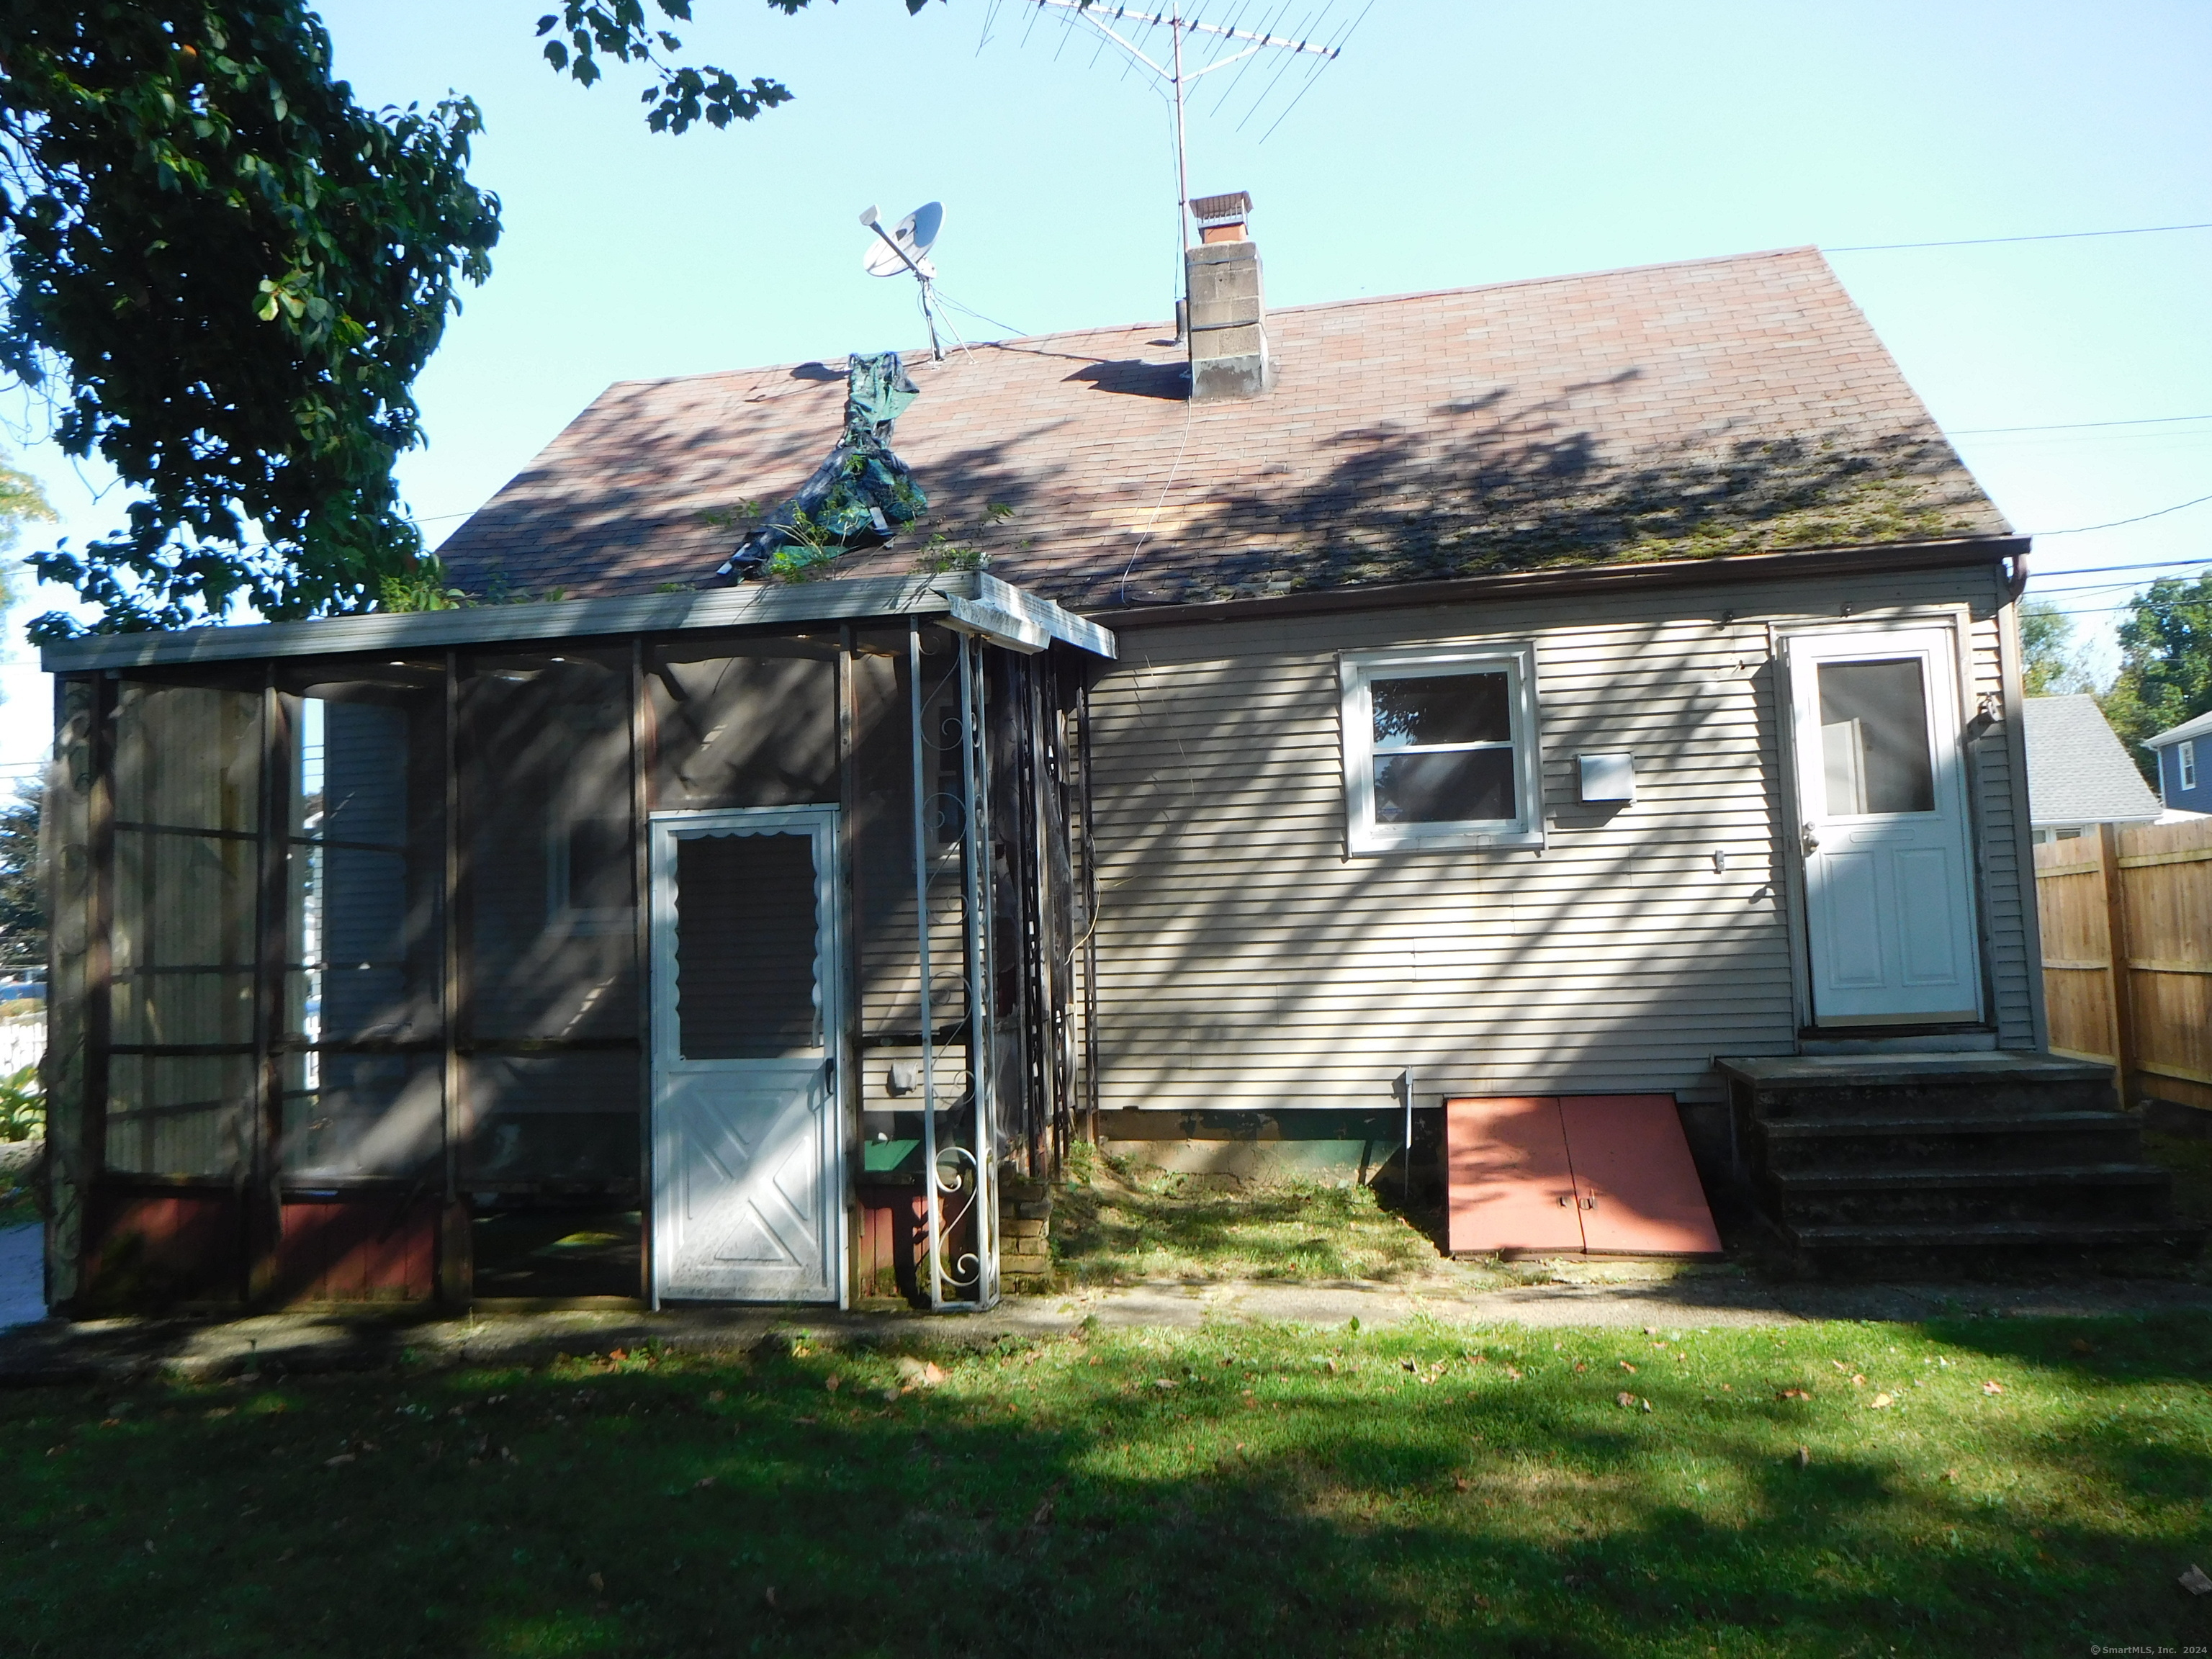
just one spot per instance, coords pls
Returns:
(2083, 529)
(1984, 241)
(2073, 426)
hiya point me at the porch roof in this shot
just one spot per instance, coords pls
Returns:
(971, 600)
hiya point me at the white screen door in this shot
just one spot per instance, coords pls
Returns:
(1882, 808)
(748, 1180)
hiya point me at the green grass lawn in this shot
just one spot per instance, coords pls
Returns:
(1980, 1488)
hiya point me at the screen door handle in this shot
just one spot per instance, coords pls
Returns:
(1812, 840)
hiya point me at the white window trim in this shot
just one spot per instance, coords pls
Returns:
(1357, 670)
(2186, 762)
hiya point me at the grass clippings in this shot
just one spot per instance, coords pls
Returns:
(2034, 1488)
(1118, 1225)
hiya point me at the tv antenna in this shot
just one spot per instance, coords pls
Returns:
(905, 248)
(1195, 48)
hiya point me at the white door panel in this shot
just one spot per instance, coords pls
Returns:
(1882, 822)
(748, 1172)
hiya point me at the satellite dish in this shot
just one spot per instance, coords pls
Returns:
(905, 246)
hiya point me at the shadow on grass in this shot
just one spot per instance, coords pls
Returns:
(1283, 1492)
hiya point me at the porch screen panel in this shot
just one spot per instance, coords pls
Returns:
(361, 1095)
(187, 791)
(551, 994)
(883, 845)
(750, 724)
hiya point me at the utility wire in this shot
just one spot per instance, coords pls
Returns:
(2083, 529)
(2073, 426)
(1984, 241)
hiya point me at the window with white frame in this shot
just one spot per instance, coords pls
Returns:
(2185, 756)
(1440, 748)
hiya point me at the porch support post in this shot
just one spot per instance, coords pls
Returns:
(263, 1183)
(933, 1216)
(644, 745)
(977, 914)
(456, 1262)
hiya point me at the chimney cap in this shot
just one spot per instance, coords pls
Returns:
(1221, 210)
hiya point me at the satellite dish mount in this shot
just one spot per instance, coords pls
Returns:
(905, 248)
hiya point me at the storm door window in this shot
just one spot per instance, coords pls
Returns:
(1874, 738)
(1440, 749)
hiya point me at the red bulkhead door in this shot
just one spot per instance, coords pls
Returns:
(1511, 1184)
(1635, 1183)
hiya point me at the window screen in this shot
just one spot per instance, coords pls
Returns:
(746, 947)
(1873, 737)
(1443, 748)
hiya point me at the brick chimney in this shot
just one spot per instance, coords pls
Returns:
(1227, 323)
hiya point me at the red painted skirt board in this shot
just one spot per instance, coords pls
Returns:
(1510, 1181)
(359, 1247)
(148, 1248)
(1639, 1188)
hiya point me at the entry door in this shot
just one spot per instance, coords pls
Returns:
(1882, 826)
(748, 1179)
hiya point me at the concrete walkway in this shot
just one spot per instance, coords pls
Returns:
(117, 1350)
(22, 1274)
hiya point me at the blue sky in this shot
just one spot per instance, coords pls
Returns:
(1455, 142)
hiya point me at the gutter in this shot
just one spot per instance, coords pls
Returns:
(1596, 578)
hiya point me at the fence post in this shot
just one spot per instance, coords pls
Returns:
(2117, 952)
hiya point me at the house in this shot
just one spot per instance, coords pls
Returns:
(2181, 750)
(2078, 774)
(1597, 688)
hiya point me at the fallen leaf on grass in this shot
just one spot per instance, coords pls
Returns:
(1162, 1382)
(835, 1383)
(702, 1483)
(1462, 1484)
(1625, 1366)
(1788, 1394)
(2194, 1581)
(333, 1463)
(598, 1582)
(1624, 1398)
(1993, 1386)
(715, 1396)
(1858, 1380)
(1512, 1375)
(769, 1597)
(1880, 1402)
(2083, 1344)
(1804, 1457)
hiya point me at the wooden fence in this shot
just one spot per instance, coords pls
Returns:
(2127, 955)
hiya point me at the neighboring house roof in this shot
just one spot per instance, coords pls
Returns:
(1713, 406)
(2077, 771)
(2201, 727)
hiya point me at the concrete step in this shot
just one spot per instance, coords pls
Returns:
(2087, 1193)
(1979, 1237)
(1921, 1142)
(1775, 1089)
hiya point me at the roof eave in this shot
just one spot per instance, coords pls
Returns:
(1948, 551)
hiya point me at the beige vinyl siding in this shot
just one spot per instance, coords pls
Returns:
(1245, 962)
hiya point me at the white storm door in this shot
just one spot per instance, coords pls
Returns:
(748, 1177)
(1882, 825)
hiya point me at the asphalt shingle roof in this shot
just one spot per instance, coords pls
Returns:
(1721, 406)
(2195, 728)
(2077, 771)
